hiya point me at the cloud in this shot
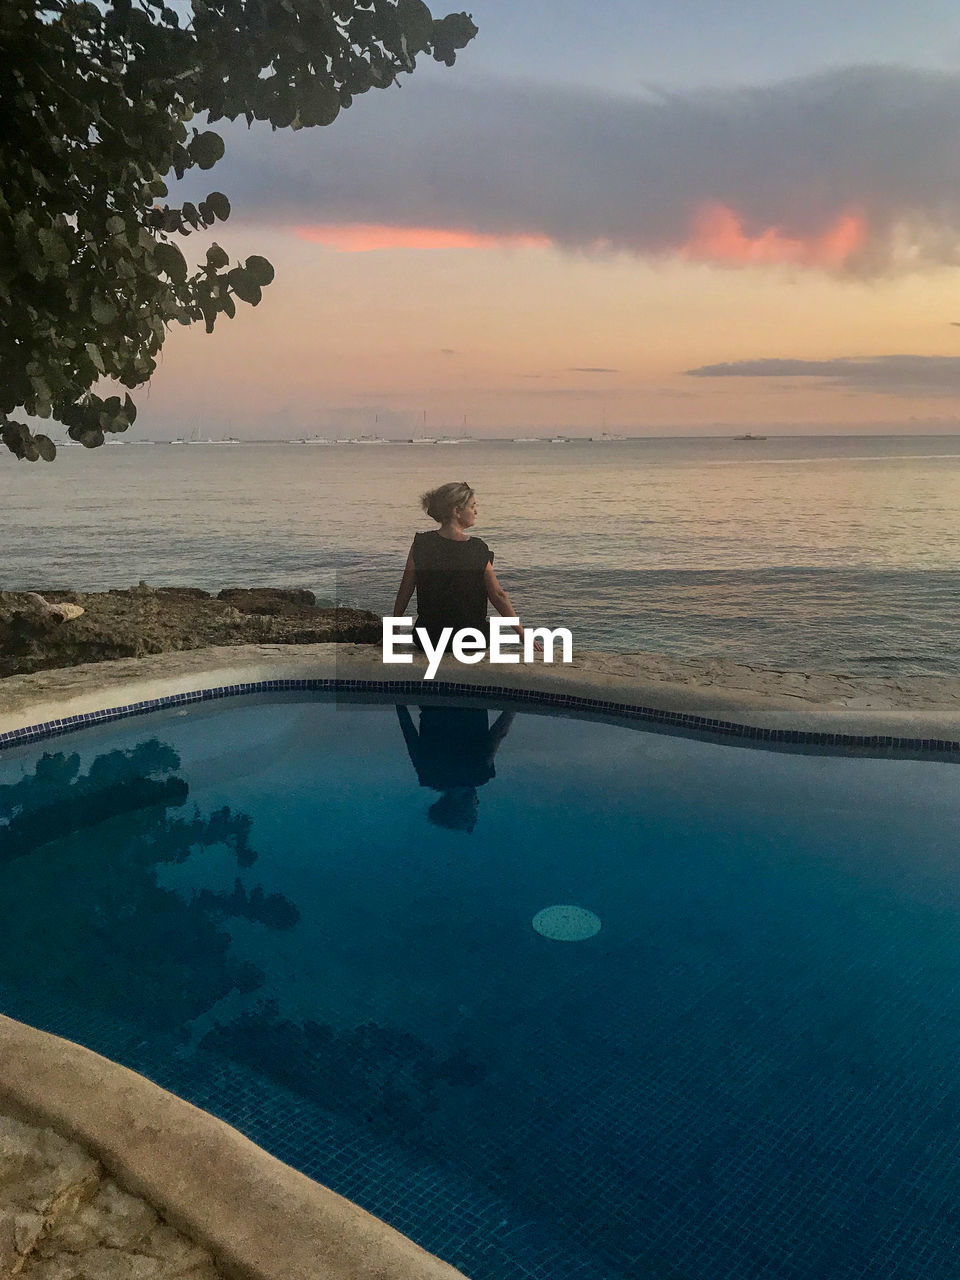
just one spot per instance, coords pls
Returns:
(367, 237)
(855, 169)
(586, 368)
(576, 393)
(894, 374)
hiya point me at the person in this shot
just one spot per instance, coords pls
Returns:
(452, 752)
(451, 572)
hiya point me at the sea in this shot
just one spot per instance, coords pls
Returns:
(836, 553)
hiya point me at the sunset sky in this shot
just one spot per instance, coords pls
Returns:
(631, 216)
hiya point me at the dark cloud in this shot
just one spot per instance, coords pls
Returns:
(895, 375)
(587, 169)
(587, 368)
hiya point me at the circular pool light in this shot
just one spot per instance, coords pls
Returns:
(566, 923)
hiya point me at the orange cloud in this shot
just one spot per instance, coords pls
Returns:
(359, 237)
(717, 235)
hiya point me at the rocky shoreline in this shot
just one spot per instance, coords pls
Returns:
(62, 1217)
(143, 620)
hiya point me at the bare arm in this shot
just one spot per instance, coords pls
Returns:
(410, 735)
(496, 594)
(405, 590)
(499, 730)
(500, 600)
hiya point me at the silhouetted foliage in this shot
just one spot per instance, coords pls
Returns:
(388, 1077)
(97, 101)
(85, 848)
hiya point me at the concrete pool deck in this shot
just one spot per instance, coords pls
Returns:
(256, 1218)
(922, 707)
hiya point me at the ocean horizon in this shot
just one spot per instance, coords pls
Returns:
(818, 552)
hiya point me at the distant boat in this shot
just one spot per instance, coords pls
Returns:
(748, 436)
(450, 440)
(364, 440)
(422, 440)
(605, 438)
(194, 438)
(311, 440)
(529, 440)
(559, 439)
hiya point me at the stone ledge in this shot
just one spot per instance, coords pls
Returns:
(61, 1218)
(926, 707)
(257, 1217)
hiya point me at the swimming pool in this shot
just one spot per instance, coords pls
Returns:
(554, 997)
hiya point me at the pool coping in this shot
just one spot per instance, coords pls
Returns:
(258, 1217)
(746, 705)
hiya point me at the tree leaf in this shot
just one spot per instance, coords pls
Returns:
(219, 205)
(102, 309)
(259, 269)
(46, 448)
(206, 149)
(244, 286)
(96, 358)
(416, 21)
(319, 104)
(171, 261)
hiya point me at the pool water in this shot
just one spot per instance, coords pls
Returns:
(556, 998)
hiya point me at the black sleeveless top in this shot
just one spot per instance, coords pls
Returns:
(450, 586)
(453, 747)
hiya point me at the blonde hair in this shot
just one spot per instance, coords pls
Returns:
(441, 503)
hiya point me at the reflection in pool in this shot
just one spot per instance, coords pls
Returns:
(727, 1048)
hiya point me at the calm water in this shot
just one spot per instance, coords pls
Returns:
(839, 553)
(750, 1070)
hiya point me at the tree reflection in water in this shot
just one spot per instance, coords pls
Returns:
(84, 912)
(89, 929)
(377, 1075)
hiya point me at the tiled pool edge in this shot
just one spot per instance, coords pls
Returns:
(259, 1218)
(421, 690)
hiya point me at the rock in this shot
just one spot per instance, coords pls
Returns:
(9, 1256)
(38, 1168)
(129, 624)
(63, 612)
(27, 1228)
(269, 600)
(59, 1220)
(183, 593)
